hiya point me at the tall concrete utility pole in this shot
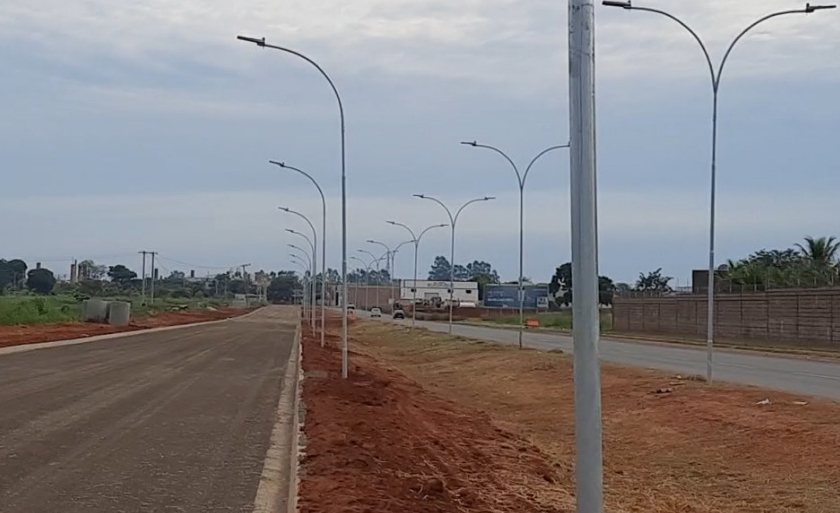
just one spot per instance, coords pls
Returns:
(587, 372)
(143, 278)
(152, 281)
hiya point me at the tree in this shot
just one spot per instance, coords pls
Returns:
(562, 282)
(606, 290)
(41, 281)
(483, 274)
(121, 275)
(623, 288)
(12, 272)
(821, 251)
(89, 270)
(176, 276)
(282, 287)
(777, 258)
(237, 286)
(441, 269)
(461, 273)
(654, 282)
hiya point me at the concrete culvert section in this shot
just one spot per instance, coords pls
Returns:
(119, 313)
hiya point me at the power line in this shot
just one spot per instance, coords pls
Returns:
(196, 266)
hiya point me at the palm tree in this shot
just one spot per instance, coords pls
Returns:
(821, 251)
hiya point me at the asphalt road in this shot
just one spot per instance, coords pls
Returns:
(173, 421)
(795, 375)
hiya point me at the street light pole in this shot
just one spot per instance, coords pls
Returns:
(323, 242)
(453, 220)
(391, 261)
(314, 251)
(394, 255)
(716, 78)
(367, 279)
(304, 301)
(589, 470)
(394, 268)
(416, 240)
(388, 254)
(520, 178)
(310, 263)
(313, 246)
(344, 344)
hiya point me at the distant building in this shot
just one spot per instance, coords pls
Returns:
(507, 296)
(428, 290)
(700, 280)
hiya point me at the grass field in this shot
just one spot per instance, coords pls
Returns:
(553, 320)
(38, 310)
(65, 308)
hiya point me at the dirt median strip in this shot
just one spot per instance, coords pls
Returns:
(671, 444)
(378, 442)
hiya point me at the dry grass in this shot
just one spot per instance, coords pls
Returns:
(694, 449)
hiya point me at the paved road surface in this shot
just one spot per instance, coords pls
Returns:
(795, 375)
(173, 421)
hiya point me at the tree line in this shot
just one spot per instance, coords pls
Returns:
(811, 263)
(117, 280)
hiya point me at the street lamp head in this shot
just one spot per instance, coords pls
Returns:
(419, 195)
(468, 143)
(623, 5)
(256, 41)
(290, 230)
(488, 198)
(391, 222)
(441, 225)
(371, 241)
(284, 209)
(813, 8)
(281, 164)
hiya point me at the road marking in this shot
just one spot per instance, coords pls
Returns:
(277, 491)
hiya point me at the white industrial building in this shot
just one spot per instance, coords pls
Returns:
(427, 290)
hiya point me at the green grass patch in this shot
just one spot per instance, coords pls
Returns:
(38, 309)
(67, 308)
(552, 320)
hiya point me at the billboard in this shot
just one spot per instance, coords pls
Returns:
(507, 296)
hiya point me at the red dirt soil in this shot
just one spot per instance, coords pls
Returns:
(37, 333)
(379, 443)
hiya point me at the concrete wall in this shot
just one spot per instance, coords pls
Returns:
(808, 318)
(366, 297)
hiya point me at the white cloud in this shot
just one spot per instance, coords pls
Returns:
(519, 46)
(174, 101)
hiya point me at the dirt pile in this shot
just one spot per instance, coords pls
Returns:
(36, 333)
(379, 443)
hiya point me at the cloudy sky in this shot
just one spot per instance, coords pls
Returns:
(146, 125)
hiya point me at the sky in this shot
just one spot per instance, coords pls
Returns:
(145, 125)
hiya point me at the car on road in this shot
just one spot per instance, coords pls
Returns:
(399, 314)
(375, 312)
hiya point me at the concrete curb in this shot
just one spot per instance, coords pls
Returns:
(277, 490)
(108, 336)
(297, 449)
